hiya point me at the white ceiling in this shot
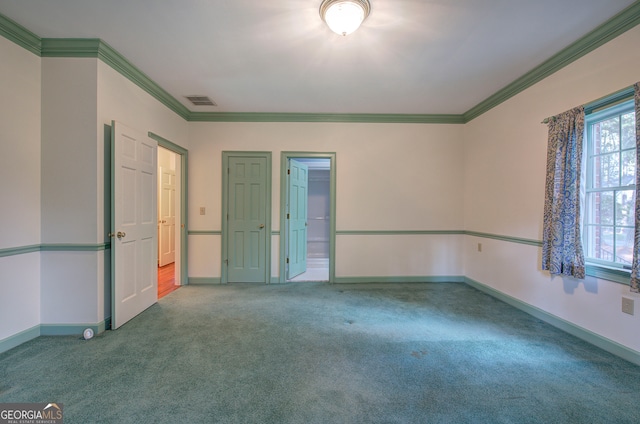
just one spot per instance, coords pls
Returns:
(408, 57)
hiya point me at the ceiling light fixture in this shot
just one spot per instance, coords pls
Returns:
(344, 16)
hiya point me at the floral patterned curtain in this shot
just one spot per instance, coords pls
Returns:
(635, 266)
(561, 243)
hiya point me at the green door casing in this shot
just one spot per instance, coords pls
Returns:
(247, 240)
(297, 217)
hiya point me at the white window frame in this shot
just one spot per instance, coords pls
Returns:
(615, 105)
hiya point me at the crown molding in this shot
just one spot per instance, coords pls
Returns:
(13, 31)
(96, 48)
(325, 117)
(620, 23)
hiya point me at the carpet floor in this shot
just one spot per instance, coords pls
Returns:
(319, 353)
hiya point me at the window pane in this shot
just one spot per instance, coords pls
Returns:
(599, 243)
(600, 207)
(624, 246)
(625, 205)
(628, 130)
(606, 135)
(606, 170)
(628, 168)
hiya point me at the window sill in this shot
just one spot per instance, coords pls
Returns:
(612, 274)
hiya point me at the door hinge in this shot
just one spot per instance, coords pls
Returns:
(287, 260)
(288, 172)
(226, 261)
(288, 216)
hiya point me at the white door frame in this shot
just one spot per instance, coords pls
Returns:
(284, 196)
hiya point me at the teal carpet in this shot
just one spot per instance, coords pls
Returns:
(318, 353)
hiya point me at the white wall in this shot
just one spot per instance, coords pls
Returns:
(505, 165)
(395, 177)
(123, 101)
(20, 187)
(81, 97)
(69, 198)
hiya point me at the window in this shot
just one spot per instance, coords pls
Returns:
(609, 202)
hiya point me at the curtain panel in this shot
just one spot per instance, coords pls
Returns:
(635, 266)
(562, 252)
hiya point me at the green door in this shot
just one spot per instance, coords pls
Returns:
(247, 215)
(297, 218)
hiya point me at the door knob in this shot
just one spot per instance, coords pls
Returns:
(261, 226)
(121, 234)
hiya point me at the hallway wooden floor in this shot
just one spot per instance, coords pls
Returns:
(166, 280)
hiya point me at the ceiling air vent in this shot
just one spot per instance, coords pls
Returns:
(201, 101)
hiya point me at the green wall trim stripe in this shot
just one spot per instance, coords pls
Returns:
(21, 250)
(401, 279)
(15, 32)
(573, 329)
(19, 338)
(372, 118)
(505, 238)
(60, 247)
(204, 232)
(397, 232)
(74, 247)
(620, 23)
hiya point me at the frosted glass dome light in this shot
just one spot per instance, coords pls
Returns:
(344, 16)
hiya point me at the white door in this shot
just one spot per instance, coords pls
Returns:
(167, 217)
(134, 246)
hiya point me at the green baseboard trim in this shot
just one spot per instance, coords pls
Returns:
(104, 325)
(203, 281)
(72, 329)
(566, 326)
(19, 338)
(401, 279)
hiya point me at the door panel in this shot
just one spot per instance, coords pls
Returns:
(297, 222)
(134, 243)
(247, 215)
(167, 221)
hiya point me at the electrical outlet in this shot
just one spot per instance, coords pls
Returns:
(627, 305)
(201, 210)
(479, 247)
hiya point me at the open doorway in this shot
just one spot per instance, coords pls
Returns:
(308, 211)
(168, 221)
